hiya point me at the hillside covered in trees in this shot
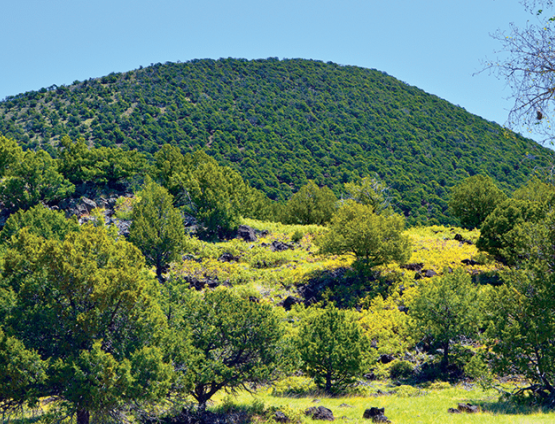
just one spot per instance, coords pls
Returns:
(282, 123)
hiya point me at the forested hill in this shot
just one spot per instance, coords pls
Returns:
(283, 122)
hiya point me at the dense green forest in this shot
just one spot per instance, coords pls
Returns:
(281, 123)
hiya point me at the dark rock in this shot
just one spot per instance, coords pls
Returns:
(376, 415)
(370, 376)
(278, 246)
(386, 359)
(453, 411)
(320, 413)
(468, 408)
(288, 302)
(280, 417)
(413, 267)
(246, 233)
(458, 237)
(123, 226)
(403, 309)
(228, 257)
(429, 273)
(254, 299)
(470, 262)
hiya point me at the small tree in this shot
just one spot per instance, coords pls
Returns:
(88, 308)
(332, 347)
(505, 232)
(371, 192)
(374, 239)
(157, 227)
(521, 315)
(33, 180)
(234, 341)
(310, 205)
(474, 199)
(445, 309)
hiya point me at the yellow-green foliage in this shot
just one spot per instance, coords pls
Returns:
(436, 248)
(271, 273)
(387, 326)
(275, 274)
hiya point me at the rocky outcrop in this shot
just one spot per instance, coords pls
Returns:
(246, 233)
(320, 413)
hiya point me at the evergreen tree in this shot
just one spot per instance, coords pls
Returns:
(446, 309)
(234, 341)
(474, 199)
(374, 239)
(87, 306)
(310, 205)
(332, 346)
(157, 227)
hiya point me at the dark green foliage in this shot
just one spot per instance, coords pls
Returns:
(505, 232)
(373, 239)
(234, 341)
(215, 195)
(522, 328)
(310, 205)
(88, 307)
(521, 315)
(333, 348)
(474, 199)
(157, 227)
(370, 192)
(446, 309)
(33, 180)
(22, 374)
(102, 165)
(281, 123)
(40, 221)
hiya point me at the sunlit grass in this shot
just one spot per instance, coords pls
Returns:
(417, 406)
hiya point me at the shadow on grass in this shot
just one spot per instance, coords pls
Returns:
(503, 407)
(344, 286)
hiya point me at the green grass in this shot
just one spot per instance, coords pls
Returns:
(424, 406)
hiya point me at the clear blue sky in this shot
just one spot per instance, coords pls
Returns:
(435, 45)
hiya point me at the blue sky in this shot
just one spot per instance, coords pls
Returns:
(436, 45)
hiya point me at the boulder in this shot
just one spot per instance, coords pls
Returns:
(386, 359)
(320, 413)
(468, 408)
(453, 411)
(228, 257)
(429, 273)
(246, 233)
(278, 246)
(413, 267)
(288, 302)
(280, 417)
(376, 415)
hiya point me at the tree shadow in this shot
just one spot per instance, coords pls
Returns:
(343, 286)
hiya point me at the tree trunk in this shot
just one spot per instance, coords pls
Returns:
(83, 416)
(328, 382)
(445, 359)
